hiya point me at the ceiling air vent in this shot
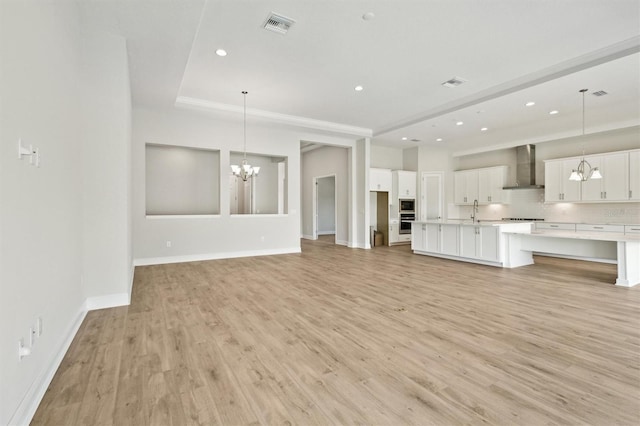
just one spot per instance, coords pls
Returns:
(278, 23)
(600, 93)
(454, 82)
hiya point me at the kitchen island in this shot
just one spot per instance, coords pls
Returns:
(620, 248)
(483, 242)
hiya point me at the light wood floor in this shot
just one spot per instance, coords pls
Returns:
(342, 336)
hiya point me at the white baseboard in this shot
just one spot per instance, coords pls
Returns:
(326, 232)
(212, 256)
(107, 301)
(308, 237)
(342, 243)
(29, 404)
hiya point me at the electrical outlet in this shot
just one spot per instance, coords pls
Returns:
(22, 350)
(168, 244)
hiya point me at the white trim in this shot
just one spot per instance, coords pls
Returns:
(327, 232)
(257, 215)
(308, 237)
(131, 278)
(107, 301)
(212, 256)
(29, 404)
(293, 120)
(181, 216)
(342, 243)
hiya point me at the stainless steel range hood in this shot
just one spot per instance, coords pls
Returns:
(525, 168)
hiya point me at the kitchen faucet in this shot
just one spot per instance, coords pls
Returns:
(474, 210)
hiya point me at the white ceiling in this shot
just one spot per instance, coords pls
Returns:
(510, 52)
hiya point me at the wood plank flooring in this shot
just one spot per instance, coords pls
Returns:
(342, 336)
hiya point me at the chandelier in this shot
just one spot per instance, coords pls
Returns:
(584, 171)
(245, 171)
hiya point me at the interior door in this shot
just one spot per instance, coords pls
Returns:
(431, 203)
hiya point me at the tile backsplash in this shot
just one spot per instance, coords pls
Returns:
(529, 203)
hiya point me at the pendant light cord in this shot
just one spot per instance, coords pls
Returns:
(244, 92)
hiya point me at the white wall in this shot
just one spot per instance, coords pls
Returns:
(67, 93)
(106, 171)
(41, 240)
(410, 159)
(224, 235)
(327, 205)
(385, 157)
(328, 160)
(182, 180)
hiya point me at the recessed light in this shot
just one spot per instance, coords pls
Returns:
(530, 103)
(554, 112)
(484, 129)
(404, 138)
(439, 140)
(221, 52)
(368, 16)
(459, 123)
(359, 88)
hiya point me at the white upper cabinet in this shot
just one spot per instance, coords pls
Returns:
(380, 180)
(620, 178)
(634, 175)
(484, 185)
(465, 186)
(404, 184)
(557, 186)
(614, 185)
(490, 183)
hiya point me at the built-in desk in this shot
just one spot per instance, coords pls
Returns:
(622, 248)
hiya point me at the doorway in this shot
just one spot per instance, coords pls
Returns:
(325, 208)
(431, 202)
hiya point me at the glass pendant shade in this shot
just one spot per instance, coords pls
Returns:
(595, 174)
(245, 170)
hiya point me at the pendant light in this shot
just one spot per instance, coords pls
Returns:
(584, 171)
(245, 171)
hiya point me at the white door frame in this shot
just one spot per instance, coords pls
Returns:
(315, 204)
(423, 193)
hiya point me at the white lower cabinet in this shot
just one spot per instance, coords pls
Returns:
(479, 242)
(432, 242)
(485, 244)
(435, 238)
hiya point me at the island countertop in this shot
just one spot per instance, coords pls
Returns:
(469, 222)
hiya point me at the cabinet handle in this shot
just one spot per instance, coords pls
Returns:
(605, 195)
(553, 226)
(630, 194)
(598, 227)
(601, 194)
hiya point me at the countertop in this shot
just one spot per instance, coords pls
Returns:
(582, 235)
(476, 223)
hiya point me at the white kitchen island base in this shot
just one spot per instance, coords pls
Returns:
(466, 241)
(623, 249)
